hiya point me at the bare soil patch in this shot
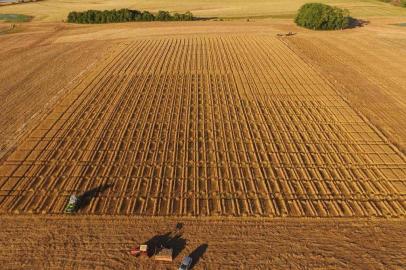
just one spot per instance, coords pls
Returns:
(55, 242)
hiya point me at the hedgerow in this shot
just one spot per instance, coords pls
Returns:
(124, 15)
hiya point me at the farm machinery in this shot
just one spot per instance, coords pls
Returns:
(72, 205)
(159, 247)
(164, 249)
(141, 250)
(160, 252)
(286, 35)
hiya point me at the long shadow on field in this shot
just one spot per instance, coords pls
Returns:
(354, 23)
(177, 243)
(86, 198)
(157, 242)
(197, 254)
(173, 240)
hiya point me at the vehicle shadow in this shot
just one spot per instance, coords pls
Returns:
(197, 254)
(86, 197)
(177, 243)
(172, 240)
(157, 242)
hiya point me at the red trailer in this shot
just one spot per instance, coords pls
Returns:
(141, 250)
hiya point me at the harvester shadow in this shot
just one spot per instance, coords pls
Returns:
(167, 240)
(86, 197)
(157, 242)
(286, 35)
(177, 243)
(197, 254)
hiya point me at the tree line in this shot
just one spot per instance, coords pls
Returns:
(125, 15)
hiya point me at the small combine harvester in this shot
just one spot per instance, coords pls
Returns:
(161, 248)
(286, 35)
(160, 251)
(72, 204)
(164, 252)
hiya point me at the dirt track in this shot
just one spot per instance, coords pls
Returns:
(95, 242)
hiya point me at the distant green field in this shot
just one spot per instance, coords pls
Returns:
(57, 10)
(15, 18)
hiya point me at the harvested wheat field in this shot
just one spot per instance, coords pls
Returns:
(265, 148)
(95, 242)
(205, 126)
(35, 72)
(370, 71)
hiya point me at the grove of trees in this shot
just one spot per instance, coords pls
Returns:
(125, 15)
(323, 17)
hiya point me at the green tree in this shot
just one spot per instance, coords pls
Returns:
(124, 15)
(322, 17)
(147, 16)
(163, 16)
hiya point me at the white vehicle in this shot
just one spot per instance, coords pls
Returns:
(72, 204)
(186, 263)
